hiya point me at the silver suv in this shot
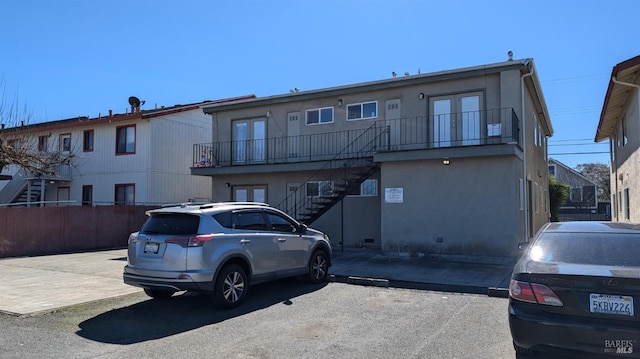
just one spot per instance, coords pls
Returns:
(222, 248)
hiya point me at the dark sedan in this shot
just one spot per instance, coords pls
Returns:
(576, 289)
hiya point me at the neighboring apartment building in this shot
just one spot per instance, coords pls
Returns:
(583, 193)
(141, 157)
(451, 162)
(620, 124)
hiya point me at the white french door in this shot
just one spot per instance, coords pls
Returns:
(456, 120)
(249, 141)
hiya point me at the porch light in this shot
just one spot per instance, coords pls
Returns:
(339, 102)
(421, 96)
(445, 161)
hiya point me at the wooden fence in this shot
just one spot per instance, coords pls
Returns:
(52, 230)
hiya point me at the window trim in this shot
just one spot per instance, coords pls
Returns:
(135, 142)
(43, 143)
(361, 104)
(84, 140)
(124, 185)
(319, 110)
(61, 142)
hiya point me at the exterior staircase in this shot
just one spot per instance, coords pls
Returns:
(337, 178)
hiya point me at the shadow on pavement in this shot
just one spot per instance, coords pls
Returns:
(157, 318)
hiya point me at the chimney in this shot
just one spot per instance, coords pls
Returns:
(110, 113)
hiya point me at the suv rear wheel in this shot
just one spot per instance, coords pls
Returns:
(318, 267)
(231, 286)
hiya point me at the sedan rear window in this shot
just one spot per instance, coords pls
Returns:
(610, 249)
(171, 223)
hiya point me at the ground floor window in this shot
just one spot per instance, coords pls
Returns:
(87, 195)
(250, 194)
(368, 188)
(125, 193)
(319, 189)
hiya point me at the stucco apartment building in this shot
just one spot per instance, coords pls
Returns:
(620, 124)
(139, 157)
(451, 162)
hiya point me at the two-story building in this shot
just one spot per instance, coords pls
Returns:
(140, 157)
(620, 124)
(451, 162)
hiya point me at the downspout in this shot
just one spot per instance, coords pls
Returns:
(525, 183)
(611, 144)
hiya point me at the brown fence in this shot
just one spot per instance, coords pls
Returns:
(51, 230)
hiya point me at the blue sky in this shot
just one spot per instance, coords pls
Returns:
(69, 58)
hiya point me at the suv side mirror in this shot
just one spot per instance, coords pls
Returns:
(523, 245)
(302, 228)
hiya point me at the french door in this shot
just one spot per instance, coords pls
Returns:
(456, 120)
(249, 141)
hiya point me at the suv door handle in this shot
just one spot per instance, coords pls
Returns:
(282, 239)
(245, 241)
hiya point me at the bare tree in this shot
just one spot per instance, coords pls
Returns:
(598, 173)
(19, 143)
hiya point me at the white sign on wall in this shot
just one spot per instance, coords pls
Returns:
(393, 195)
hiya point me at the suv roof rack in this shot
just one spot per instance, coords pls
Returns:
(216, 204)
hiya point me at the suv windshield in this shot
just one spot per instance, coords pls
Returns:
(171, 223)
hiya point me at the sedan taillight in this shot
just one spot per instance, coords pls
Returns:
(192, 241)
(533, 293)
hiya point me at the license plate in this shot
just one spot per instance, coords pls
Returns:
(151, 247)
(611, 304)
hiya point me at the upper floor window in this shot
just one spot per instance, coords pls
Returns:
(126, 139)
(362, 110)
(64, 143)
(319, 115)
(552, 170)
(15, 143)
(87, 141)
(43, 142)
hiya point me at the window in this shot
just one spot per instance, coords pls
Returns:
(319, 115)
(126, 140)
(43, 142)
(368, 188)
(624, 131)
(552, 170)
(64, 143)
(627, 212)
(320, 189)
(87, 195)
(249, 220)
(15, 143)
(125, 193)
(87, 141)
(363, 110)
(280, 224)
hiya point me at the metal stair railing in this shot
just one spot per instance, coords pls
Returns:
(346, 170)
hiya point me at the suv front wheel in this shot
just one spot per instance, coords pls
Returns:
(318, 267)
(230, 287)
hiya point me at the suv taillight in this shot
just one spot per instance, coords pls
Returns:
(192, 241)
(133, 237)
(533, 293)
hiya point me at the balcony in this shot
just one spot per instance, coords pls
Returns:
(476, 128)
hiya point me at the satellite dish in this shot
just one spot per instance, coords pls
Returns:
(134, 101)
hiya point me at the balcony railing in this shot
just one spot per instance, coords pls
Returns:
(475, 128)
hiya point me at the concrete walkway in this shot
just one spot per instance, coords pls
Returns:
(31, 285)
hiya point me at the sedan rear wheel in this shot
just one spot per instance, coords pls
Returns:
(318, 267)
(231, 286)
(158, 294)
